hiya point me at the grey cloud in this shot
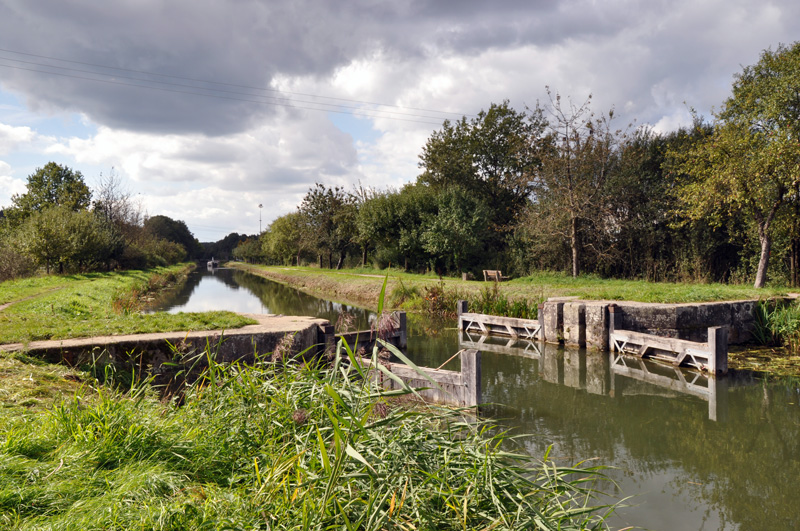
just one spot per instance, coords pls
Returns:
(249, 42)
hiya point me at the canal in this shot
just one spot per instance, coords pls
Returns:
(687, 452)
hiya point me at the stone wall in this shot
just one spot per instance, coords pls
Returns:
(586, 323)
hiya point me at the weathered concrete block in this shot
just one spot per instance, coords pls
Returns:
(552, 320)
(596, 314)
(575, 323)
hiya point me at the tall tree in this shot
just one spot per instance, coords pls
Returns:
(750, 164)
(52, 185)
(570, 187)
(329, 221)
(491, 156)
(174, 231)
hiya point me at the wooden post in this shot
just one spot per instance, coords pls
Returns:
(614, 318)
(461, 308)
(402, 321)
(326, 337)
(718, 350)
(471, 377)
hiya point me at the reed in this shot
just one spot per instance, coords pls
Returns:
(777, 324)
(291, 444)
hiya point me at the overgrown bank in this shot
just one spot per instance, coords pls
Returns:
(95, 304)
(272, 446)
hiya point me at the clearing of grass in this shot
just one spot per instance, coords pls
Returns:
(362, 286)
(95, 304)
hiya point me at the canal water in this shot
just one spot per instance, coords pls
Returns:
(687, 452)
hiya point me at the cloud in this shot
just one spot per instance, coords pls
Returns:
(253, 135)
(9, 186)
(12, 137)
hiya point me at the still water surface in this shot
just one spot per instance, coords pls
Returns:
(655, 425)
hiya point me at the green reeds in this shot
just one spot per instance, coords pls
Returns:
(492, 302)
(777, 324)
(291, 444)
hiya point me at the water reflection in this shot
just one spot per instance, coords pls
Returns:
(657, 428)
(239, 291)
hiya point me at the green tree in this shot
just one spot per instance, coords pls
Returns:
(58, 236)
(490, 156)
(457, 229)
(174, 231)
(284, 240)
(52, 185)
(570, 186)
(329, 216)
(750, 164)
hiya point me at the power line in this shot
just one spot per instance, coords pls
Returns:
(357, 112)
(107, 67)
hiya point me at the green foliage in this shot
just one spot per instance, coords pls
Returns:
(277, 445)
(778, 324)
(457, 230)
(492, 301)
(58, 236)
(328, 220)
(250, 250)
(52, 185)
(176, 231)
(750, 165)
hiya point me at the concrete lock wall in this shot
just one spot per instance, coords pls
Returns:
(586, 323)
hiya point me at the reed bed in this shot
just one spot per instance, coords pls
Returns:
(277, 445)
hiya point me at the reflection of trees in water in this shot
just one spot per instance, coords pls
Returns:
(180, 294)
(746, 467)
(281, 299)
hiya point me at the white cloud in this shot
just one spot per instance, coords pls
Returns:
(12, 137)
(9, 186)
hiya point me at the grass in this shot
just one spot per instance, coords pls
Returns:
(361, 287)
(287, 445)
(61, 307)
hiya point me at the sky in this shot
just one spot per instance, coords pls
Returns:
(207, 109)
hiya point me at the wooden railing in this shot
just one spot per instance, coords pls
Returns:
(711, 356)
(458, 388)
(495, 325)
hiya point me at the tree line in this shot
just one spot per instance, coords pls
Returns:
(561, 187)
(60, 225)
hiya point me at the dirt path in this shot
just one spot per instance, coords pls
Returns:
(6, 305)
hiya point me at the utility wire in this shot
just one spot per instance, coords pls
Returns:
(360, 102)
(354, 111)
(337, 105)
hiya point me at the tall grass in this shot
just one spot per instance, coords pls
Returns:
(277, 445)
(777, 324)
(492, 302)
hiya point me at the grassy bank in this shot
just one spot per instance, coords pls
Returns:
(285, 446)
(94, 304)
(362, 287)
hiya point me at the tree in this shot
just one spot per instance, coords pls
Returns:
(174, 231)
(114, 203)
(58, 236)
(52, 185)
(750, 164)
(491, 156)
(570, 185)
(457, 228)
(329, 221)
(284, 240)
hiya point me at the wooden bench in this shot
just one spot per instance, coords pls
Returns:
(494, 274)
